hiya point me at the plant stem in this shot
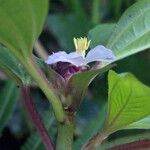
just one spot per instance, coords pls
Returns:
(95, 141)
(36, 73)
(36, 119)
(65, 135)
(40, 50)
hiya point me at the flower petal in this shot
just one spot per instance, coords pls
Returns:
(100, 53)
(54, 58)
(62, 56)
(75, 59)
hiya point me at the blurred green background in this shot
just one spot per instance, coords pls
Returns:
(68, 19)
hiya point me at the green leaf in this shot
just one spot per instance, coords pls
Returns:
(132, 32)
(128, 101)
(141, 124)
(79, 83)
(124, 140)
(93, 127)
(66, 27)
(11, 67)
(8, 98)
(34, 140)
(21, 23)
(100, 34)
(41, 63)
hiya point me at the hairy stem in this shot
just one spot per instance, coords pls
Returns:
(65, 135)
(36, 73)
(36, 119)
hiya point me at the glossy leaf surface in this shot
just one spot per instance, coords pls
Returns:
(21, 23)
(132, 32)
(128, 101)
(100, 34)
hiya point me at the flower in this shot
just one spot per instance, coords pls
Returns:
(68, 64)
(81, 45)
(70, 73)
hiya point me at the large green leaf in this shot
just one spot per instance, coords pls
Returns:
(34, 140)
(128, 101)
(11, 67)
(8, 98)
(21, 23)
(100, 34)
(132, 32)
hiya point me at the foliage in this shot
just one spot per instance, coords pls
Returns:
(79, 83)
(25, 25)
(8, 99)
(128, 102)
(124, 140)
(11, 67)
(132, 31)
(100, 34)
(128, 99)
(141, 124)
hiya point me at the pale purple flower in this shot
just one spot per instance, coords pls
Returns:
(99, 53)
(75, 62)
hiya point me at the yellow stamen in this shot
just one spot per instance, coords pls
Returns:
(81, 45)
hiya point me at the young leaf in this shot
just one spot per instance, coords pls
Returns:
(79, 83)
(128, 101)
(11, 67)
(100, 34)
(34, 140)
(132, 32)
(8, 98)
(21, 23)
(141, 124)
(124, 140)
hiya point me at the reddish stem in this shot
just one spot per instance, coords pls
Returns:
(138, 145)
(35, 117)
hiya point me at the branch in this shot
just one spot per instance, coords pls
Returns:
(35, 117)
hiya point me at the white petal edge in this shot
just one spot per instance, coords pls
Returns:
(62, 56)
(100, 53)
